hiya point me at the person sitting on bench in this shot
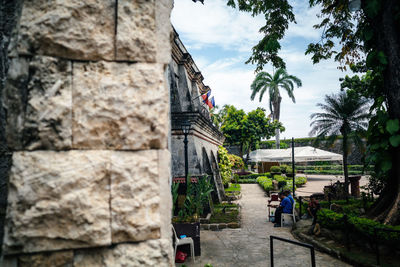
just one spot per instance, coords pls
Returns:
(285, 207)
(289, 195)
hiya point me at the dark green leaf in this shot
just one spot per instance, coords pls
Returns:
(392, 126)
(395, 140)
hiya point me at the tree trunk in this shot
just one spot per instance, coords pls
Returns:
(277, 139)
(276, 114)
(387, 208)
(345, 155)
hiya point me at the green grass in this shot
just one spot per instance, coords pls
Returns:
(231, 213)
(233, 188)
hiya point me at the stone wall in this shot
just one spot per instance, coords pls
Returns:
(88, 121)
(186, 86)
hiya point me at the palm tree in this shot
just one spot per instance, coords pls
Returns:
(343, 114)
(280, 79)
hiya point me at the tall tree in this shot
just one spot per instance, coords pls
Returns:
(247, 130)
(343, 114)
(372, 29)
(218, 115)
(272, 83)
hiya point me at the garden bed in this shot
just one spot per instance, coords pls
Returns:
(225, 215)
(357, 255)
(284, 183)
(233, 192)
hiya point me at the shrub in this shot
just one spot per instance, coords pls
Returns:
(225, 166)
(288, 185)
(284, 168)
(255, 175)
(265, 182)
(279, 178)
(243, 173)
(236, 161)
(299, 181)
(281, 184)
(247, 181)
(362, 226)
(334, 169)
(275, 169)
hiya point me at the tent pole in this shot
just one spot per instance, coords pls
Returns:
(293, 172)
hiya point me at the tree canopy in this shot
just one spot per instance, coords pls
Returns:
(343, 114)
(247, 130)
(273, 83)
(364, 39)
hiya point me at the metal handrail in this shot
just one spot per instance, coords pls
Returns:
(271, 238)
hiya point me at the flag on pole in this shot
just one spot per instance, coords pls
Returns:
(206, 96)
(211, 103)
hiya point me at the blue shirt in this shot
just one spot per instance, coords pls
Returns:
(291, 198)
(287, 205)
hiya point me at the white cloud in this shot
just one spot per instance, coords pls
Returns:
(216, 26)
(306, 18)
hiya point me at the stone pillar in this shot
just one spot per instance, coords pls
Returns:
(355, 185)
(88, 119)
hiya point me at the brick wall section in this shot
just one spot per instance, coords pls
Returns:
(88, 119)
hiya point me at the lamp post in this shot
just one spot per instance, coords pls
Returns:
(186, 129)
(293, 171)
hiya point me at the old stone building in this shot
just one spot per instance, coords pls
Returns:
(88, 122)
(186, 86)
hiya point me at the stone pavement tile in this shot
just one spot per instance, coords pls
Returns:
(249, 245)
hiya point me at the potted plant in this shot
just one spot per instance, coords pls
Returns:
(196, 200)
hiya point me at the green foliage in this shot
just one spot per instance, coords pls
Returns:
(233, 188)
(247, 130)
(299, 181)
(197, 197)
(279, 178)
(247, 181)
(272, 83)
(362, 226)
(345, 114)
(256, 175)
(288, 185)
(265, 182)
(225, 165)
(335, 169)
(275, 169)
(225, 213)
(174, 193)
(236, 162)
(285, 168)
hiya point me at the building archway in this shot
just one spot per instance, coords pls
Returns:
(208, 169)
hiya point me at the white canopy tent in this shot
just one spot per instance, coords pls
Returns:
(301, 154)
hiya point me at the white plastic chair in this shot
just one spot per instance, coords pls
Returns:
(183, 241)
(285, 217)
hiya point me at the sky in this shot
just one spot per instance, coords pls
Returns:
(220, 39)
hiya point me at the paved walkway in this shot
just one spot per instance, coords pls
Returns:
(316, 183)
(249, 246)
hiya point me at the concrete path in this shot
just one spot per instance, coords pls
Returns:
(249, 246)
(316, 183)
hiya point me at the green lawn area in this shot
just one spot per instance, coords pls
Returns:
(230, 214)
(233, 188)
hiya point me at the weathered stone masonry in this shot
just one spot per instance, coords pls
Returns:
(186, 85)
(88, 120)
